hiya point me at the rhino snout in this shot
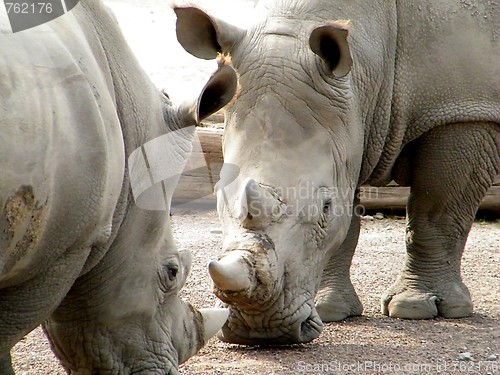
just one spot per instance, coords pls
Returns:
(247, 272)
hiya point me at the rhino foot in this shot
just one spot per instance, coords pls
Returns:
(449, 300)
(335, 304)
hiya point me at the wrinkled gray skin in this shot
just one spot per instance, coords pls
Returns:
(76, 252)
(408, 91)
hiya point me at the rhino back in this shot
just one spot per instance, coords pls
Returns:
(61, 147)
(447, 61)
(446, 71)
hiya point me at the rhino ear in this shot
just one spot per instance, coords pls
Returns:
(202, 35)
(330, 43)
(218, 91)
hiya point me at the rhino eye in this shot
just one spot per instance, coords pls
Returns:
(168, 277)
(172, 270)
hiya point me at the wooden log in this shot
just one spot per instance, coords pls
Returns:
(202, 173)
(395, 198)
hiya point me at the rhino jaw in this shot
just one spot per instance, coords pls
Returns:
(248, 280)
(305, 328)
(231, 273)
(213, 320)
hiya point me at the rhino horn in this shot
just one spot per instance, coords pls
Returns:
(213, 320)
(232, 272)
(255, 198)
(258, 205)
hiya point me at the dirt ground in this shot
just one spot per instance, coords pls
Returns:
(370, 344)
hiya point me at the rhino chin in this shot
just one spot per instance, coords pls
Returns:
(301, 332)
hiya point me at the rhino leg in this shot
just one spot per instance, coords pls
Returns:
(450, 171)
(336, 298)
(6, 365)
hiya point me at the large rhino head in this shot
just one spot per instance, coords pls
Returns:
(88, 173)
(290, 132)
(124, 313)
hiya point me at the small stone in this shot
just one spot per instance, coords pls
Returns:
(467, 356)
(378, 216)
(492, 357)
(216, 230)
(368, 218)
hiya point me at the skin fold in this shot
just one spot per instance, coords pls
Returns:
(334, 95)
(76, 252)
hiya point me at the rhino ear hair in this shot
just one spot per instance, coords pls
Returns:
(330, 43)
(204, 36)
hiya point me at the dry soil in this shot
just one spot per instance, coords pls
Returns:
(369, 344)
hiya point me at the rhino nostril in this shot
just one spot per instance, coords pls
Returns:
(310, 328)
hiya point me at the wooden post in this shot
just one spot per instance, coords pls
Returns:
(201, 173)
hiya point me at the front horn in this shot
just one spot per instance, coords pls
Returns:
(232, 273)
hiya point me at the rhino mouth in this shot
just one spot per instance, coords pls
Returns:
(267, 306)
(259, 328)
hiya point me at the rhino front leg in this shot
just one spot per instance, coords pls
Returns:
(336, 298)
(451, 169)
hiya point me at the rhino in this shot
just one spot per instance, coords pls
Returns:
(335, 95)
(76, 252)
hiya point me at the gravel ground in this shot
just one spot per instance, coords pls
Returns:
(370, 344)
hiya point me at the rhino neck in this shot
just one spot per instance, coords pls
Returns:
(373, 41)
(133, 91)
